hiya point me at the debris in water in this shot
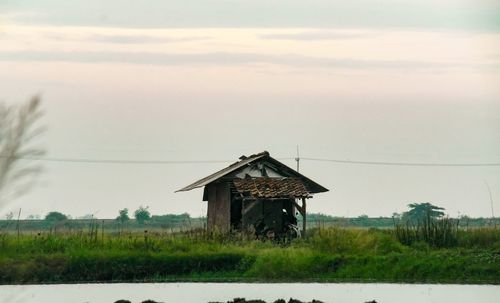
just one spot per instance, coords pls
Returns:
(292, 300)
(243, 300)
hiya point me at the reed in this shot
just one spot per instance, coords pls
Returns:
(442, 232)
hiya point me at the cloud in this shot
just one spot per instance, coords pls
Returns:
(429, 14)
(229, 59)
(318, 35)
(139, 39)
(121, 38)
(14, 16)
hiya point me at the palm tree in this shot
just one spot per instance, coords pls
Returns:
(423, 211)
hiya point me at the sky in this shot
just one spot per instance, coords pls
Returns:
(386, 81)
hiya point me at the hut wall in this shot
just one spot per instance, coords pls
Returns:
(218, 213)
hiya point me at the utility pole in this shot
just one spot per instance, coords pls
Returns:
(302, 209)
(491, 203)
(297, 158)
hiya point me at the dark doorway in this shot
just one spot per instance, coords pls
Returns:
(236, 214)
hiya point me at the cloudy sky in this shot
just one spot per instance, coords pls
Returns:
(382, 81)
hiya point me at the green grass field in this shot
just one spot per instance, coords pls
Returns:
(326, 255)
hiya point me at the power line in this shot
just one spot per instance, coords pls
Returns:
(128, 161)
(125, 161)
(399, 163)
(113, 161)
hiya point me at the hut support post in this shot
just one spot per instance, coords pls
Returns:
(302, 211)
(304, 217)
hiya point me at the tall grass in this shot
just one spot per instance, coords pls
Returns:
(435, 232)
(327, 254)
(483, 237)
(353, 241)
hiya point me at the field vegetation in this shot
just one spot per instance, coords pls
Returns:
(58, 222)
(440, 253)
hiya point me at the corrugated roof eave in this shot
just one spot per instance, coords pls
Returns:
(221, 173)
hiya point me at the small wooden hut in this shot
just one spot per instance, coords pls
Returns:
(258, 191)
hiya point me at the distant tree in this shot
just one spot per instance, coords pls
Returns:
(87, 217)
(423, 211)
(363, 220)
(396, 215)
(123, 215)
(18, 129)
(33, 217)
(170, 220)
(142, 214)
(55, 216)
(464, 217)
(171, 217)
(9, 216)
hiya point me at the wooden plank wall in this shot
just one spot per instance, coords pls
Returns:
(219, 207)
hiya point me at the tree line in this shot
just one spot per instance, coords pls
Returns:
(417, 213)
(141, 216)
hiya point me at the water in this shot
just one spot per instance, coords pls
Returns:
(207, 292)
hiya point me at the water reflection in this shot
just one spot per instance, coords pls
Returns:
(221, 292)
